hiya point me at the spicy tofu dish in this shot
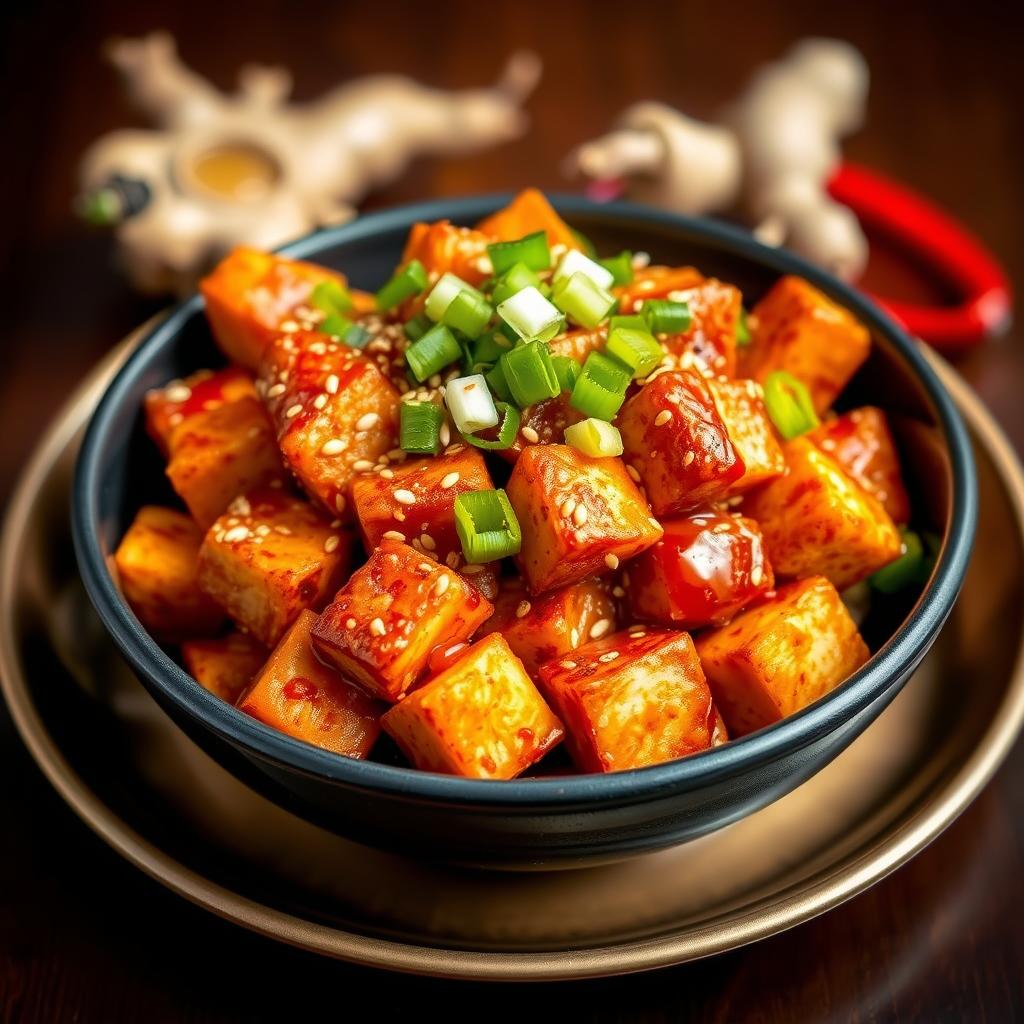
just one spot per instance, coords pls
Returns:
(526, 498)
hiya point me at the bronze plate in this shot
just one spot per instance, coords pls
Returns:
(151, 794)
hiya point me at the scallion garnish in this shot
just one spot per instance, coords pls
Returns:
(496, 382)
(337, 325)
(530, 315)
(596, 438)
(639, 350)
(417, 326)
(356, 336)
(583, 300)
(567, 370)
(487, 526)
(620, 267)
(470, 403)
(909, 569)
(510, 420)
(742, 329)
(489, 348)
(409, 281)
(529, 373)
(601, 387)
(634, 322)
(432, 353)
(468, 313)
(532, 251)
(515, 279)
(443, 294)
(789, 404)
(666, 316)
(331, 297)
(420, 427)
(574, 262)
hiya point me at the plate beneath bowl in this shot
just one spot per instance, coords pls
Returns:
(169, 809)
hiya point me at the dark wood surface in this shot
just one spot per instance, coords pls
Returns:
(85, 937)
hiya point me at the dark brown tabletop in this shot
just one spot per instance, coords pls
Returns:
(86, 937)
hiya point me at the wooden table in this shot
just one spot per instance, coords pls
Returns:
(84, 936)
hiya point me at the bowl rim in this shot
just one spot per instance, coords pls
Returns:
(888, 667)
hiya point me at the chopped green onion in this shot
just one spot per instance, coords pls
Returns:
(595, 438)
(601, 387)
(639, 350)
(331, 297)
(337, 325)
(742, 329)
(468, 313)
(357, 336)
(443, 293)
(567, 370)
(530, 315)
(910, 569)
(409, 281)
(514, 280)
(620, 267)
(470, 403)
(665, 316)
(432, 353)
(506, 432)
(417, 326)
(529, 373)
(574, 262)
(789, 404)
(420, 429)
(487, 526)
(532, 251)
(489, 348)
(634, 322)
(578, 296)
(497, 383)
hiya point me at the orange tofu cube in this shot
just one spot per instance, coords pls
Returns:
(444, 248)
(740, 403)
(251, 294)
(530, 211)
(798, 329)
(301, 697)
(710, 340)
(482, 718)
(578, 342)
(169, 407)
(633, 699)
(270, 556)
(781, 655)
(416, 504)
(655, 282)
(220, 454)
(703, 571)
(157, 567)
(383, 625)
(578, 515)
(225, 665)
(673, 437)
(862, 443)
(335, 412)
(817, 521)
(556, 623)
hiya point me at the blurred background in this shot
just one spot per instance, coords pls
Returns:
(940, 940)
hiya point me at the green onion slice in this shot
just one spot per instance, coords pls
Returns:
(417, 326)
(337, 325)
(489, 348)
(601, 388)
(634, 322)
(639, 350)
(408, 281)
(574, 262)
(420, 427)
(432, 353)
(530, 374)
(742, 329)
(331, 297)
(666, 316)
(515, 279)
(567, 370)
(580, 298)
(620, 267)
(532, 251)
(470, 403)
(530, 315)
(596, 438)
(356, 336)
(443, 293)
(510, 420)
(469, 313)
(789, 404)
(910, 569)
(497, 383)
(487, 526)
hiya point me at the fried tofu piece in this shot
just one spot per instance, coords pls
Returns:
(704, 569)
(528, 212)
(798, 329)
(224, 665)
(482, 718)
(740, 403)
(578, 515)
(303, 698)
(655, 282)
(220, 454)
(415, 503)
(631, 700)
(384, 623)
(674, 439)
(171, 406)
(556, 623)
(817, 521)
(781, 655)
(335, 413)
(269, 557)
(157, 568)
(710, 340)
(250, 295)
(578, 342)
(862, 443)
(442, 247)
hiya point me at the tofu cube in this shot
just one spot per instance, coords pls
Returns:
(862, 443)
(578, 515)
(655, 282)
(817, 521)
(704, 569)
(556, 623)
(781, 655)
(297, 695)
(384, 623)
(442, 247)
(578, 342)
(157, 568)
(674, 439)
(482, 718)
(415, 503)
(169, 407)
(798, 329)
(740, 403)
(220, 454)
(529, 211)
(225, 665)
(336, 413)
(710, 340)
(269, 557)
(631, 700)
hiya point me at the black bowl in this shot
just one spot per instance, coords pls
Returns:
(556, 820)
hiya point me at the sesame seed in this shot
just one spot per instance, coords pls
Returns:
(333, 447)
(569, 664)
(756, 575)
(236, 533)
(339, 502)
(394, 535)
(530, 434)
(362, 465)
(444, 435)
(579, 516)
(367, 422)
(662, 418)
(574, 637)
(275, 390)
(424, 566)
(633, 474)
(350, 623)
(331, 544)
(428, 542)
(450, 480)
(292, 411)
(523, 609)
(241, 507)
(399, 515)
(335, 524)
(442, 584)
(262, 530)
(404, 497)
(612, 561)
(377, 627)
(638, 635)
(568, 507)
(618, 592)
(599, 628)
(331, 384)
(319, 402)
(283, 530)
(608, 656)
(687, 458)
(472, 570)
(396, 455)
(178, 393)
